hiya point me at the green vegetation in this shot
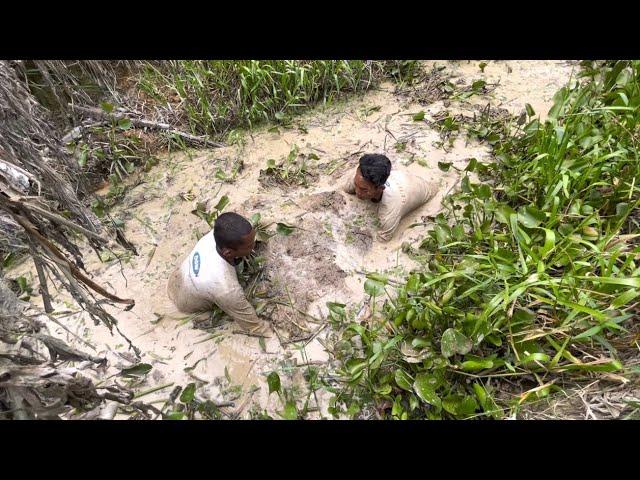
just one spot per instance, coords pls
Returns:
(530, 277)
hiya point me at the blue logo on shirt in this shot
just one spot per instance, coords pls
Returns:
(195, 263)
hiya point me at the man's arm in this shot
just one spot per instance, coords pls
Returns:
(390, 217)
(234, 303)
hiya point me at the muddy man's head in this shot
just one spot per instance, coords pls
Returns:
(235, 236)
(371, 175)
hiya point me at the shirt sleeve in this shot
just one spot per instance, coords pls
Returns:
(428, 190)
(390, 216)
(348, 184)
(232, 301)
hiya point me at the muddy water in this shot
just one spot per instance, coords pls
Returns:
(334, 231)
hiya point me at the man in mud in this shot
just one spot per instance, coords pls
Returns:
(208, 275)
(397, 192)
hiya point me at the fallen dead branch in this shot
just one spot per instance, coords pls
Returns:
(77, 132)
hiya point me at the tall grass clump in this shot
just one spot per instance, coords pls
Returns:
(216, 96)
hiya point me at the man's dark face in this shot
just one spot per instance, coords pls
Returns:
(366, 190)
(246, 246)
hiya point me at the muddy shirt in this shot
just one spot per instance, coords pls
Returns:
(205, 278)
(403, 193)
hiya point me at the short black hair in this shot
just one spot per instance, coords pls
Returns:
(229, 229)
(375, 168)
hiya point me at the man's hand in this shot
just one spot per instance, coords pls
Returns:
(261, 329)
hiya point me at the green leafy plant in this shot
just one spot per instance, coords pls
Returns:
(202, 212)
(294, 170)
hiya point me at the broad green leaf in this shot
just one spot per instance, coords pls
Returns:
(558, 103)
(413, 283)
(392, 343)
(403, 379)
(336, 308)
(549, 242)
(459, 405)
(418, 116)
(483, 191)
(373, 288)
(622, 209)
(188, 394)
(476, 365)
(223, 202)
(284, 229)
(355, 366)
(137, 370)
(624, 98)
(481, 393)
(444, 166)
(273, 380)
(503, 255)
(378, 277)
(425, 391)
(503, 213)
(478, 85)
(530, 216)
(82, 159)
(468, 406)
(175, 416)
(383, 390)
(420, 343)
(353, 409)
(124, 124)
(107, 107)
(360, 330)
(442, 235)
(538, 357)
(530, 111)
(396, 409)
(290, 412)
(24, 286)
(453, 342)
(465, 185)
(255, 219)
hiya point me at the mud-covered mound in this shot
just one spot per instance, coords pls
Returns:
(325, 202)
(300, 269)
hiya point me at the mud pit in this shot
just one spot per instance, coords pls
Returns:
(316, 264)
(297, 257)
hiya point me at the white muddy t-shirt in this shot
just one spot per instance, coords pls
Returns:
(210, 278)
(403, 193)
